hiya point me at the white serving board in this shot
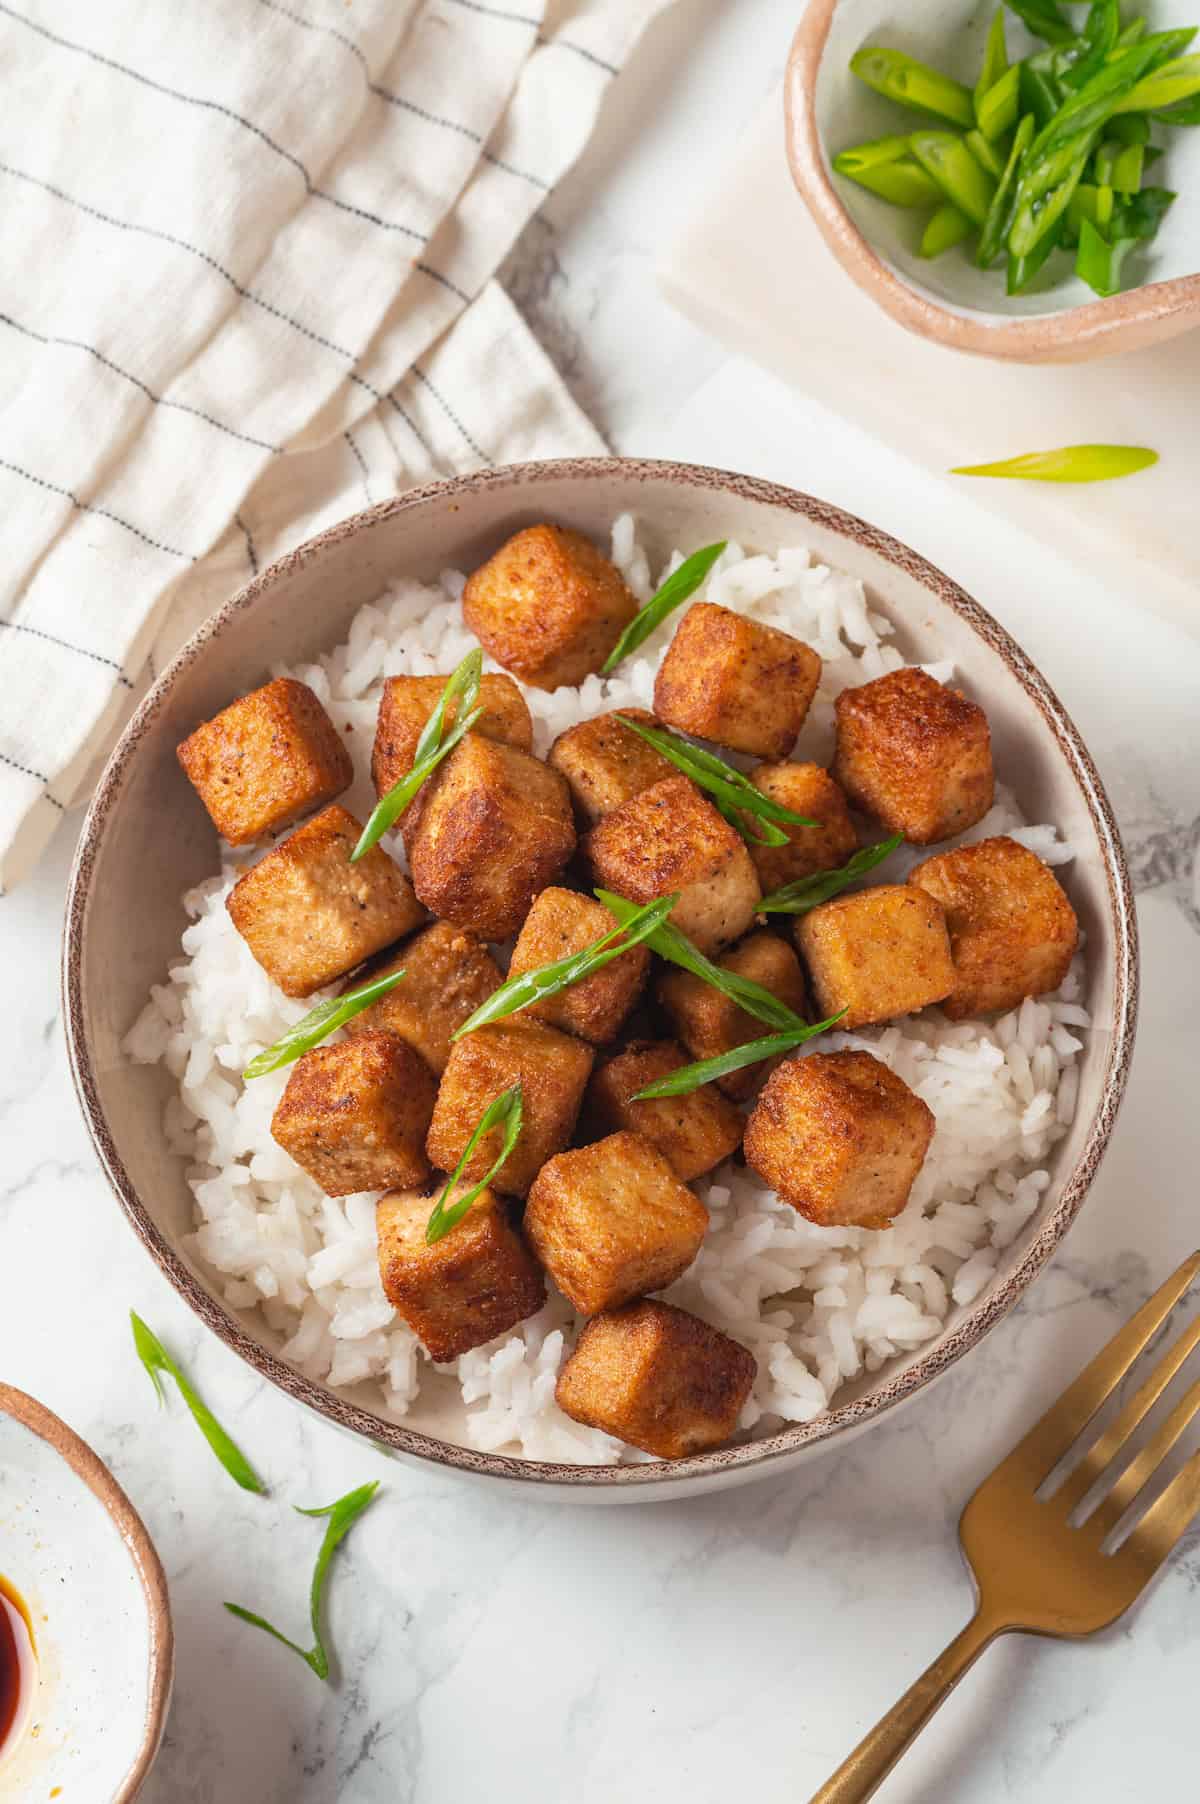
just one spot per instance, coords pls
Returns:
(752, 269)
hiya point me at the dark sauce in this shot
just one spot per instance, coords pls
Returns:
(17, 1667)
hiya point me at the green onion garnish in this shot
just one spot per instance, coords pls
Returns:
(733, 792)
(677, 949)
(551, 980)
(431, 748)
(1073, 463)
(806, 892)
(319, 1023)
(509, 1108)
(674, 592)
(156, 1359)
(750, 1052)
(342, 1516)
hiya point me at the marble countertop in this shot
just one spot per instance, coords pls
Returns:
(742, 1641)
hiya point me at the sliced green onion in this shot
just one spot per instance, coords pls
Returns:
(342, 1516)
(871, 154)
(989, 156)
(998, 223)
(1173, 82)
(807, 892)
(681, 584)
(731, 788)
(677, 949)
(508, 1109)
(751, 1052)
(319, 1023)
(995, 59)
(902, 183)
(433, 745)
(1044, 19)
(156, 1359)
(913, 84)
(944, 156)
(945, 228)
(1022, 270)
(1140, 215)
(1127, 169)
(1073, 463)
(551, 980)
(999, 107)
(1099, 260)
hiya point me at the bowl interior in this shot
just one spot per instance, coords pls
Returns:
(950, 34)
(146, 841)
(72, 1546)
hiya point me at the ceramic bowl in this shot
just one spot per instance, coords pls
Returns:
(75, 1549)
(145, 841)
(948, 299)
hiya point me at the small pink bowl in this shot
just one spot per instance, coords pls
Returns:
(949, 301)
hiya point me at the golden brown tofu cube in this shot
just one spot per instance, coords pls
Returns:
(548, 606)
(447, 975)
(874, 955)
(266, 760)
(809, 790)
(308, 915)
(405, 707)
(693, 1133)
(355, 1115)
(1012, 930)
(732, 680)
(562, 922)
(496, 829)
(670, 839)
(658, 1378)
(611, 1221)
(604, 764)
(709, 1023)
(477, 1281)
(915, 754)
(552, 1069)
(839, 1137)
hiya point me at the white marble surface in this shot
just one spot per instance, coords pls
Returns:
(492, 1648)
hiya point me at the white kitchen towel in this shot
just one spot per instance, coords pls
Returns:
(247, 286)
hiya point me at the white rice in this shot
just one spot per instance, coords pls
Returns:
(816, 1306)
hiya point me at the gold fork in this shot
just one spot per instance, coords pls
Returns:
(1036, 1566)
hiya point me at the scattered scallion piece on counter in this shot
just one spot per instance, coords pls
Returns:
(677, 949)
(506, 1110)
(551, 980)
(731, 788)
(1073, 463)
(677, 588)
(807, 892)
(318, 1024)
(435, 743)
(156, 1359)
(751, 1052)
(342, 1516)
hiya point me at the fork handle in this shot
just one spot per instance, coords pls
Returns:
(860, 1776)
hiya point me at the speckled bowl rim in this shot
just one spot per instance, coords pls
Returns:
(1125, 321)
(776, 1448)
(100, 1482)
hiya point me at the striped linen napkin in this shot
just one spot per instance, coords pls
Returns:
(249, 250)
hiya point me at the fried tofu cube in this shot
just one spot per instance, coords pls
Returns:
(1013, 932)
(266, 760)
(806, 789)
(495, 830)
(405, 707)
(737, 682)
(552, 1069)
(548, 606)
(448, 974)
(308, 915)
(658, 1378)
(355, 1115)
(670, 839)
(612, 1221)
(604, 764)
(875, 955)
(477, 1281)
(840, 1137)
(693, 1133)
(562, 922)
(709, 1023)
(915, 754)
